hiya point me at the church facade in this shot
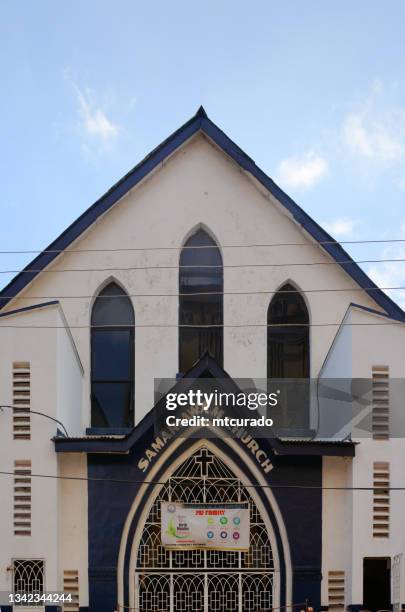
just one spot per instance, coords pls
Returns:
(195, 265)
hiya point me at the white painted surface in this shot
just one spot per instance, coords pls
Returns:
(47, 386)
(197, 185)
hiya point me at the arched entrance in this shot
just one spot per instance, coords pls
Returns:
(204, 580)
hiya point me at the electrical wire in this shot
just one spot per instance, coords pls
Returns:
(204, 267)
(47, 416)
(200, 293)
(127, 481)
(213, 326)
(210, 246)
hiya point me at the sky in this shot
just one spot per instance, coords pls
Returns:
(313, 91)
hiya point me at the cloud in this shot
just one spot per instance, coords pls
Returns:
(341, 228)
(371, 137)
(94, 120)
(376, 129)
(302, 172)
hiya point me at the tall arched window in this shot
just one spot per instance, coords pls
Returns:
(287, 347)
(112, 359)
(201, 273)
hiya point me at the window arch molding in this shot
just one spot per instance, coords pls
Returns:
(288, 348)
(112, 357)
(296, 287)
(101, 287)
(200, 272)
(205, 228)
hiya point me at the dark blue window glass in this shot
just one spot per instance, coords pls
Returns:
(201, 300)
(288, 356)
(287, 335)
(112, 359)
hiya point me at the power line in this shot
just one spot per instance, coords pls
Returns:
(47, 416)
(204, 266)
(247, 486)
(210, 246)
(213, 326)
(200, 293)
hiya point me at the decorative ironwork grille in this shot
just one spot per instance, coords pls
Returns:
(28, 577)
(204, 580)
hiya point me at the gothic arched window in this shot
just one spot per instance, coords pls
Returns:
(201, 300)
(112, 359)
(287, 335)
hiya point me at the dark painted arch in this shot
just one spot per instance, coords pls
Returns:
(236, 457)
(301, 512)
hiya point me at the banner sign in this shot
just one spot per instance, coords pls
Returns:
(209, 526)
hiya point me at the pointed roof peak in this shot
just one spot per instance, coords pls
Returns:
(201, 112)
(199, 122)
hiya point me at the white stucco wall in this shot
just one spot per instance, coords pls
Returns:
(197, 185)
(73, 526)
(45, 350)
(347, 516)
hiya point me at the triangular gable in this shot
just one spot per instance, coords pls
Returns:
(200, 122)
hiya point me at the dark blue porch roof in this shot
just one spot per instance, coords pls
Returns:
(205, 366)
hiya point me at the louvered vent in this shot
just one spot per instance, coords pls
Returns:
(22, 497)
(71, 587)
(381, 500)
(381, 402)
(21, 400)
(336, 590)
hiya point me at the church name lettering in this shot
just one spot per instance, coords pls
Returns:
(242, 435)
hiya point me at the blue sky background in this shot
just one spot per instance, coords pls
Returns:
(314, 91)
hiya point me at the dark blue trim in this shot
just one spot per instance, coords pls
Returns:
(101, 206)
(26, 308)
(335, 250)
(107, 512)
(237, 458)
(201, 122)
(6, 608)
(108, 431)
(100, 546)
(373, 311)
